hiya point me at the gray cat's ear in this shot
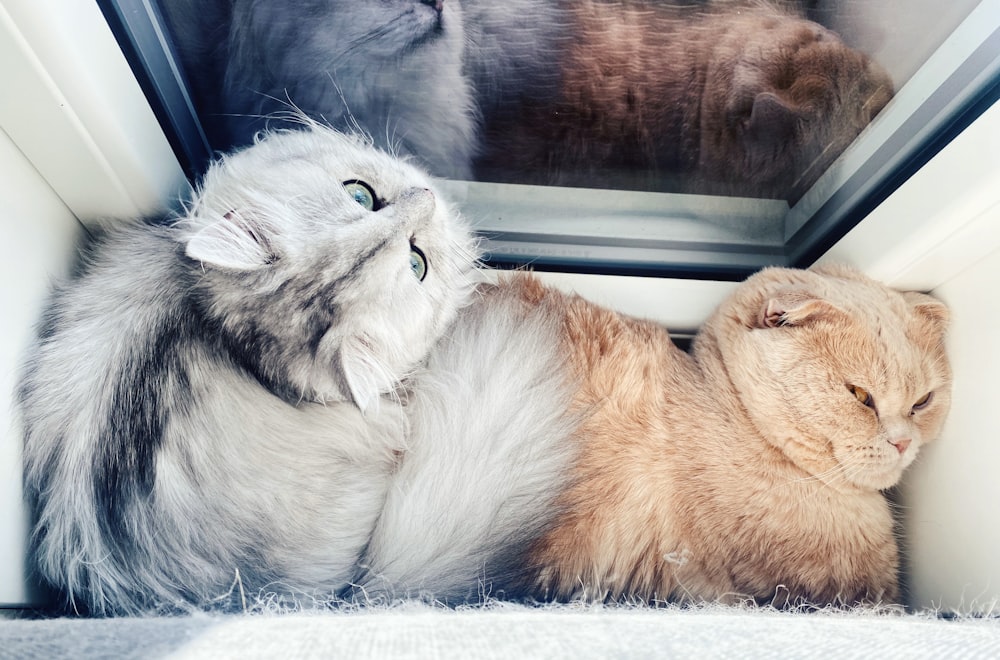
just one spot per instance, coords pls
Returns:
(793, 308)
(932, 310)
(360, 368)
(236, 241)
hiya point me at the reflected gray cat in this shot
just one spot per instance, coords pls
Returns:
(215, 402)
(393, 67)
(414, 74)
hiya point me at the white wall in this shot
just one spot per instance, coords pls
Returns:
(952, 494)
(940, 232)
(77, 140)
(39, 232)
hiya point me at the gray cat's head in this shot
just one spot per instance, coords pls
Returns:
(332, 33)
(330, 267)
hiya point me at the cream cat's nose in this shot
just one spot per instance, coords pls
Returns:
(900, 444)
(437, 4)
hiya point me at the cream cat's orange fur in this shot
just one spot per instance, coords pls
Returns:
(749, 468)
(559, 450)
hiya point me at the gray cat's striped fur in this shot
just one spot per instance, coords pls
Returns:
(215, 401)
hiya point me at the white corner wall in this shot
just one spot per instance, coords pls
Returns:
(951, 495)
(77, 140)
(940, 232)
(73, 108)
(39, 233)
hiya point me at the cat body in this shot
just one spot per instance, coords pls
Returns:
(730, 99)
(748, 469)
(212, 406)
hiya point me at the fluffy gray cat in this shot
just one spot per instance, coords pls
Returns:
(212, 407)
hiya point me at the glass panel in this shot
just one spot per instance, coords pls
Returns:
(704, 138)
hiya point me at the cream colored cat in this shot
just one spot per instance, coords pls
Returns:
(559, 449)
(753, 467)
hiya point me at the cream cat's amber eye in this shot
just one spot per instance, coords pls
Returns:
(362, 193)
(862, 395)
(418, 263)
(923, 401)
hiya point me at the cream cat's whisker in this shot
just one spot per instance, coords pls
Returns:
(837, 469)
(847, 470)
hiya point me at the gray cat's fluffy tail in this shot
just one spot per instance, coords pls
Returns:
(489, 455)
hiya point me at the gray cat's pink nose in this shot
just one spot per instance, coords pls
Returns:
(437, 4)
(901, 444)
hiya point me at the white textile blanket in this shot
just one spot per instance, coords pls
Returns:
(510, 631)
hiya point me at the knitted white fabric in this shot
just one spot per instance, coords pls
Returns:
(511, 631)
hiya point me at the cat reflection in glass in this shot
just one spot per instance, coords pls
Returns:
(733, 98)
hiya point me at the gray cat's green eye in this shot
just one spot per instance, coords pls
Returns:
(363, 194)
(418, 263)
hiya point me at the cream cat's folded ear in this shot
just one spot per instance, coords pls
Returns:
(792, 307)
(236, 241)
(932, 310)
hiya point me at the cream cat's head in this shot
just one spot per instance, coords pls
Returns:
(845, 376)
(329, 266)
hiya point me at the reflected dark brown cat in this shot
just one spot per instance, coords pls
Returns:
(720, 99)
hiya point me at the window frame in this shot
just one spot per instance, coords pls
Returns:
(963, 74)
